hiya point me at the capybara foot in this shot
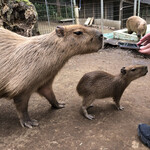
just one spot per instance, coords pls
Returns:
(59, 105)
(29, 123)
(89, 116)
(120, 108)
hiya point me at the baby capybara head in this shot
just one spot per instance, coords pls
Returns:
(83, 39)
(141, 29)
(134, 72)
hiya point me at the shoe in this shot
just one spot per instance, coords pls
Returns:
(144, 134)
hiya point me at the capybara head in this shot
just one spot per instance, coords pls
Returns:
(134, 72)
(80, 39)
(141, 29)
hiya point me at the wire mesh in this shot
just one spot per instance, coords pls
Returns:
(59, 13)
(51, 15)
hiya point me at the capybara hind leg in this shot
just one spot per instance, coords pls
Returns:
(21, 103)
(48, 93)
(117, 102)
(87, 101)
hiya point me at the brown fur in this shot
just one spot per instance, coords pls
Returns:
(29, 64)
(136, 24)
(99, 84)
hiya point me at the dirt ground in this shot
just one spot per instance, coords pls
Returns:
(67, 129)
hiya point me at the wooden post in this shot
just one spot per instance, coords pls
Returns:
(76, 11)
(120, 13)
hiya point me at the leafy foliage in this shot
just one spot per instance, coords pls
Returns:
(26, 1)
(42, 15)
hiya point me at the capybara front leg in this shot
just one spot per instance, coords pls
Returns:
(117, 101)
(48, 93)
(87, 101)
(21, 103)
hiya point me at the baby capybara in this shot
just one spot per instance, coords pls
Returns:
(136, 24)
(30, 64)
(100, 84)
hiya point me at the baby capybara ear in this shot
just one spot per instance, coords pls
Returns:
(123, 70)
(60, 31)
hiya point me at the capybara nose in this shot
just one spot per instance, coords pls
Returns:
(100, 36)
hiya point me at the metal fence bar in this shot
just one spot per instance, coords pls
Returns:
(135, 5)
(47, 11)
(139, 7)
(102, 17)
(72, 12)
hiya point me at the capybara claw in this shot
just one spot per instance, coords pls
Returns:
(120, 108)
(29, 124)
(90, 106)
(59, 106)
(90, 117)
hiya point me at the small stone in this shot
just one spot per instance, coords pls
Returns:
(135, 144)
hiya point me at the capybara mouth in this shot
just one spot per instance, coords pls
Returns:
(146, 71)
(100, 46)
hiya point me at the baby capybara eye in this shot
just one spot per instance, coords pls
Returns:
(133, 69)
(78, 33)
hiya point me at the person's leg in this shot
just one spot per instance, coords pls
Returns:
(144, 133)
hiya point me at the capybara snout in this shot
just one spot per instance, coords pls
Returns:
(134, 72)
(146, 70)
(83, 39)
(100, 36)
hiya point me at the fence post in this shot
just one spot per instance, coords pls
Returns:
(120, 13)
(102, 23)
(139, 1)
(135, 4)
(72, 12)
(47, 11)
(76, 11)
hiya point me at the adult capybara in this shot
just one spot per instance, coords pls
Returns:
(136, 24)
(100, 84)
(30, 64)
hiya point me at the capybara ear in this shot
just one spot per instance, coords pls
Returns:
(123, 70)
(60, 31)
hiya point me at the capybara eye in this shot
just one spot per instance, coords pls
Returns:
(133, 69)
(78, 33)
